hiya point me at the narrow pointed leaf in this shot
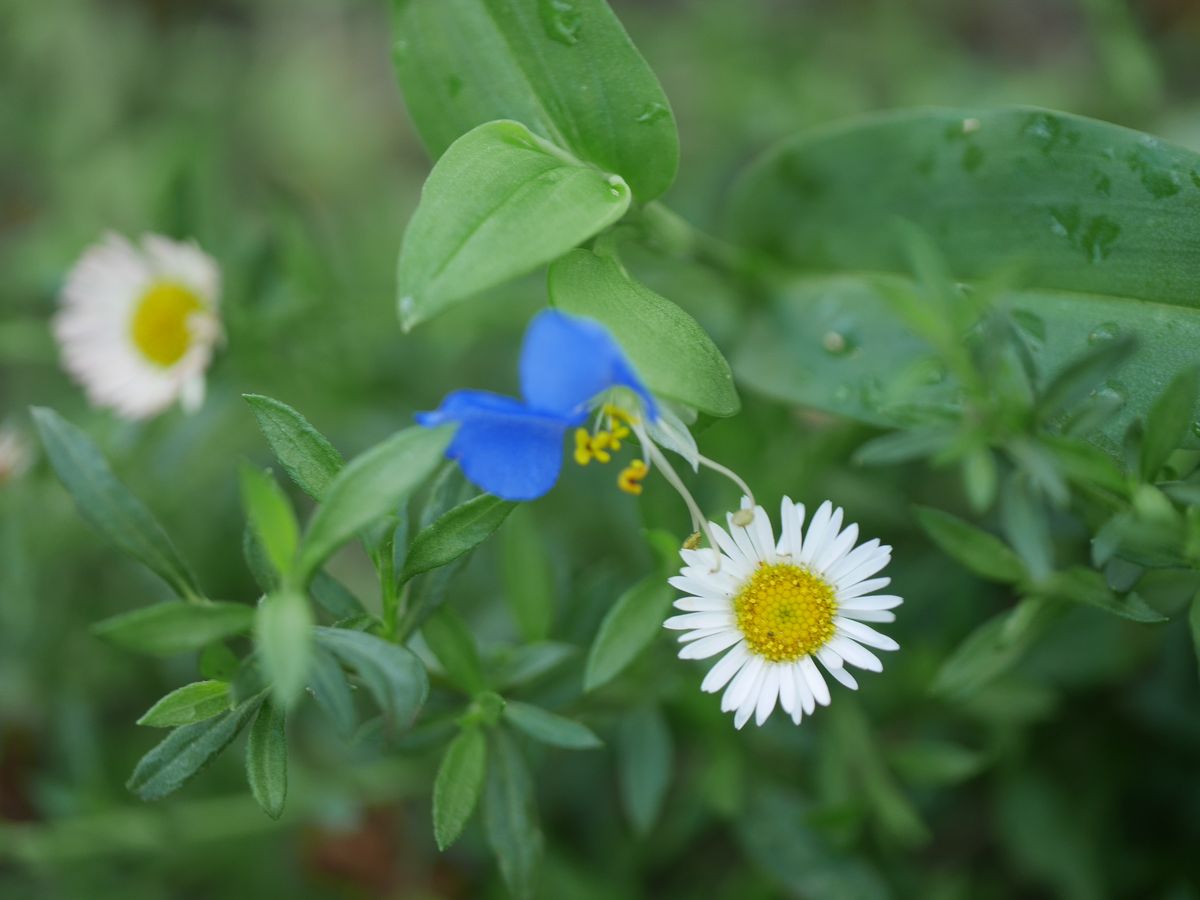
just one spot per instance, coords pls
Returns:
(510, 817)
(982, 553)
(549, 728)
(270, 515)
(165, 629)
(308, 458)
(393, 675)
(454, 533)
(458, 785)
(283, 633)
(191, 703)
(266, 759)
(628, 627)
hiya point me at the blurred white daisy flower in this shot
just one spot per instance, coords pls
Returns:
(776, 609)
(15, 454)
(138, 323)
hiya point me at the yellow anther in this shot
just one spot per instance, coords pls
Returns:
(693, 541)
(583, 446)
(630, 479)
(601, 443)
(618, 418)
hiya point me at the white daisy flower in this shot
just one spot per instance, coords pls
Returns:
(137, 324)
(776, 609)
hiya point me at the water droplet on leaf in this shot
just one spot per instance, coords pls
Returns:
(1104, 332)
(561, 20)
(651, 113)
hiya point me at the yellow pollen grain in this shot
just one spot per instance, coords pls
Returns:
(160, 327)
(785, 612)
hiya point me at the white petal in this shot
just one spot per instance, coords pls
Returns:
(748, 705)
(837, 548)
(762, 535)
(844, 676)
(787, 690)
(705, 604)
(869, 615)
(191, 394)
(735, 695)
(855, 654)
(695, 587)
(853, 559)
(862, 588)
(876, 601)
(865, 634)
(701, 633)
(816, 683)
(882, 557)
(710, 646)
(807, 701)
(829, 658)
(814, 539)
(728, 666)
(731, 549)
(742, 539)
(700, 620)
(768, 693)
(788, 546)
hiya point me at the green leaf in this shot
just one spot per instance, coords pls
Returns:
(1171, 418)
(270, 514)
(644, 761)
(1087, 586)
(1097, 216)
(261, 568)
(1084, 375)
(529, 662)
(500, 203)
(903, 446)
(332, 691)
(509, 816)
(107, 504)
(283, 632)
(458, 785)
(165, 629)
(308, 458)
(191, 703)
(266, 759)
(368, 489)
(979, 551)
(671, 352)
(218, 662)
(334, 597)
(454, 533)
(992, 649)
(566, 69)
(528, 581)
(628, 627)
(545, 726)
(187, 750)
(934, 763)
(451, 642)
(393, 675)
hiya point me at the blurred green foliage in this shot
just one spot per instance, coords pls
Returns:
(1060, 763)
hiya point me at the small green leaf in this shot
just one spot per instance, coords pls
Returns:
(566, 69)
(494, 182)
(644, 762)
(270, 514)
(671, 352)
(107, 504)
(334, 597)
(1082, 585)
(283, 633)
(218, 662)
(934, 763)
(528, 580)
(308, 458)
(393, 675)
(266, 759)
(165, 629)
(979, 551)
(332, 691)
(451, 642)
(1084, 375)
(367, 489)
(545, 726)
(187, 750)
(992, 649)
(528, 662)
(510, 817)
(628, 627)
(1172, 416)
(191, 703)
(261, 568)
(458, 785)
(454, 533)
(903, 446)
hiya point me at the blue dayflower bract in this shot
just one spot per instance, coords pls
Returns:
(514, 448)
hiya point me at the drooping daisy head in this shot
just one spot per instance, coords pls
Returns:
(137, 323)
(777, 608)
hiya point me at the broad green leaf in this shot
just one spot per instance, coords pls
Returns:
(270, 514)
(1171, 418)
(979, 551)
(671, 352)
(107, 503)
(644, 762)
(331, 690)
(191, 703)
(266, 759)
(528, 580)
(451, 642)
(308, 458)
(165, 629)
(187, 750)
(498, 204)
(283, 631)
(454, 533)
(367, 489)
(509, 816)
(1096, 217)
(393, 675)
(458, 785)
(1082, 585)
(565, 68)
(629, 625)
(545, 726)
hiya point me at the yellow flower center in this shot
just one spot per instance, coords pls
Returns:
(160, 322)
(785, 612)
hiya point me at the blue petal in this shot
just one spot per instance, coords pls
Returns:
(502, 446)
(567, 361)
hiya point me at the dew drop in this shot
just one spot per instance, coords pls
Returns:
(651, 113)
(1098, 238)
(561, 19)
(1104, 332)
(835, 343)
(407, 307)
(1196, 429)
(1044, 130)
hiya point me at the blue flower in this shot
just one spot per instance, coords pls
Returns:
(514, 448)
